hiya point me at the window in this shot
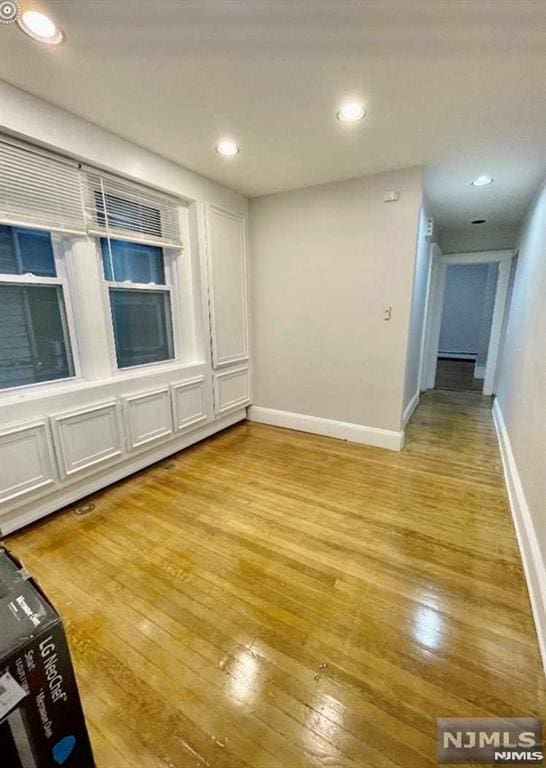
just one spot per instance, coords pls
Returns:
(34, 340)
(140, 302)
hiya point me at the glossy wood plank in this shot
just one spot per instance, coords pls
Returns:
(271, 599)
(457, 374)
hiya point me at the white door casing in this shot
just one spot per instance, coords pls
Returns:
(434, 311)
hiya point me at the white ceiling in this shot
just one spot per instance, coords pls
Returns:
(455, 85)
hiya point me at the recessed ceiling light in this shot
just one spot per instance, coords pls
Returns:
(227, 147)
(478, 221)
(40, 27)
(481, 181)
(351, 112)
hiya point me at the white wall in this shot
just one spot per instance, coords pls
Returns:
(467, 309)
(417, 317)
(521, 398)
(325, 263)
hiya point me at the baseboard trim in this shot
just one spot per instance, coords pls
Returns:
(409, 409)
(33, 511)
(533, 564)
(457, 355)
(343, 430)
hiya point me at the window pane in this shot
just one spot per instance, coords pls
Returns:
(26, 250)
(8, 264)
(132, 261)
(142, 326)
(34, 343)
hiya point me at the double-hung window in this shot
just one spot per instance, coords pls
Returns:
(39, 194)
(136, 227)
(139, 288)
(34, 340)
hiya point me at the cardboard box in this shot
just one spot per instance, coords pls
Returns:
(41, 718)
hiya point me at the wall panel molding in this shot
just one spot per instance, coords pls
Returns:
(148, 417)
(87, 438)
(190, 404)
(227, 285)
(231, 390)
(27, 460)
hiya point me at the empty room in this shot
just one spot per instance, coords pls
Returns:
(272, 383)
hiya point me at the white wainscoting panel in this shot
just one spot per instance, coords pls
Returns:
(231, 390)
(87, 438)
(191, 404)
(227, 280)
(27, 461)
(148, 417)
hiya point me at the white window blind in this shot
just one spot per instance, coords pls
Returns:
(38, 189)
(119, 209)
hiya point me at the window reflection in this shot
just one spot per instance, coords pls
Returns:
(242, 683)
(427, 627)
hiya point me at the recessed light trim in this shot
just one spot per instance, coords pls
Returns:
(482, 181)
(40, 27)
(227, 148)
(351, 112)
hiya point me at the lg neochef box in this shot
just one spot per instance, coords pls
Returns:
(41, 718)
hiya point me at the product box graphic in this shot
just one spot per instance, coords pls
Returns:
(41, 718)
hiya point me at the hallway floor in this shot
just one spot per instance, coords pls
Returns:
(457, 374)
(269, 598)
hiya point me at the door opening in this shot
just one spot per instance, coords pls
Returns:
(465, 328)
(465, 320)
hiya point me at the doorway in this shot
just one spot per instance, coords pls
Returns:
(465, 326)
(465, 316)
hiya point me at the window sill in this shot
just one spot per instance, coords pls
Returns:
(53, 389)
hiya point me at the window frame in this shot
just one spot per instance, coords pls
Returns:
(170, 287)
(59, 247)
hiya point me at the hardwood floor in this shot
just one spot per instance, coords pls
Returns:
(457, 374)
(271, 598)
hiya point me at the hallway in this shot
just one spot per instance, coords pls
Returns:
(274, 598)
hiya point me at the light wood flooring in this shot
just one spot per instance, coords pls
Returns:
(269, 598)
(457, 374)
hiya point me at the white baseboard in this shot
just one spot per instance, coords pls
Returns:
(479, 371)
(31, 512)
(409, 409)
(533, 563)
(457, 355)
(343, 430)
